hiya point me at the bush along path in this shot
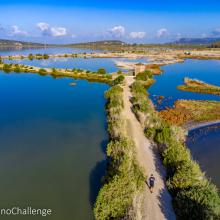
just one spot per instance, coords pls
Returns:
(157, 205)
(194, 196)
(124, 178)
(125, 194)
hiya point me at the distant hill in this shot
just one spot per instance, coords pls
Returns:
(18, 44)
(201, 41)
(101, 43)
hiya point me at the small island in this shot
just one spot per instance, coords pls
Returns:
(191, 113)
(195, 85)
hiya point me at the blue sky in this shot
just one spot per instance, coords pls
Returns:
(131, 21)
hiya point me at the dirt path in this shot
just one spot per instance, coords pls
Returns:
(157, 206)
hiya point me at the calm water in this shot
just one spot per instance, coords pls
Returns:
(43, 50)
(92, 64)
(53, 136)
(204, 144)
(206, 70)
(52, 142)
(80, 63)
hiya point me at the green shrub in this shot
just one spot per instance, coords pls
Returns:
(120, 79)
(42, 72)
(201, 202)
(46, 56)
(146, 75)
(126, 179)
(138, 88)
(119, 72)
(17, 69)
(174, 156)
(194, 197)
(7, 68)
(163, 136)
(101, 71)
(187, 174)
(150, 133)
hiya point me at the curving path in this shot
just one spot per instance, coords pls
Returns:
(157, 206)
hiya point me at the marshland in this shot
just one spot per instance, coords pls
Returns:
(106, 103)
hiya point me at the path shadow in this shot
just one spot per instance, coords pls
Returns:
(96, 175)
(165, 199)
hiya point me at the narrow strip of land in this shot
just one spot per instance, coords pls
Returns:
(194, 125)
(157, 206)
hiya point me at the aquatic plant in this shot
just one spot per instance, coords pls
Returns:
(195, 85)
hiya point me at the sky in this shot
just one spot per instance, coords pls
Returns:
(131, 21)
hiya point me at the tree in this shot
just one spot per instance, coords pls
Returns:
(30, 56)
(101, 71)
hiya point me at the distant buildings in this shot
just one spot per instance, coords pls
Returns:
(138, 68)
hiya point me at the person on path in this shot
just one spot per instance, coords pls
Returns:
(151, 183)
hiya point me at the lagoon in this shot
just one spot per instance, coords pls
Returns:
(92, 64)
(52, 142)
(173, 75)
(203, 142)
(47, 50)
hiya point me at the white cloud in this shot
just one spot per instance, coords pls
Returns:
(47, 30)
(117, 31)
(58, 31)
(136, 35)
(15, 30)
(162, 32)
(43, 26)
(216, 32)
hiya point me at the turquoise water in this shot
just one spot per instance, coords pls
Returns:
(166, 83)
(52, 143)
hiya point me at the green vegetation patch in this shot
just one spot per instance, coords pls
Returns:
(185, 111)
(124, 178)
(194, 196)
(194, 85)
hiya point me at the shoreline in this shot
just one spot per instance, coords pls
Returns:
(193, 126)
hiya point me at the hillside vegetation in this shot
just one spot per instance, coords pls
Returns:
(15, 44)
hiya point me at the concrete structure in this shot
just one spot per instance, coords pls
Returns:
(138, 68)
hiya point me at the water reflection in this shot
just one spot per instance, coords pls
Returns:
(204, 144)
(92, 64)
(51, 144)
